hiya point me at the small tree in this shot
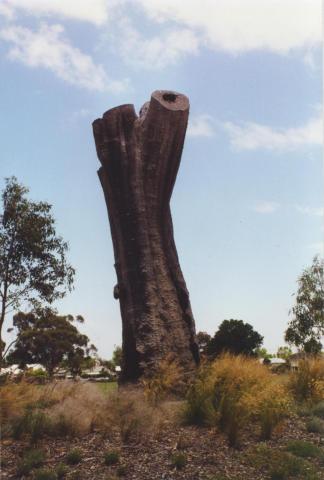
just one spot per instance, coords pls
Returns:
(203, 339)
(284, 352)
(236, 337)
(306, 328)
(117, 357)
(33, 265)
(49, 339)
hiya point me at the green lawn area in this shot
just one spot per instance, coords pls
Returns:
(107, 386)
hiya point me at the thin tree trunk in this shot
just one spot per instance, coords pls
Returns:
(140, 157)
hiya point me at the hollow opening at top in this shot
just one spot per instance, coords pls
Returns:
(169, 97)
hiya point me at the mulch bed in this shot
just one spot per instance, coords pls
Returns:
(206, 450)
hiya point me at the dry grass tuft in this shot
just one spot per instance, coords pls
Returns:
(235, 390)
(167, 379)
(307, 382)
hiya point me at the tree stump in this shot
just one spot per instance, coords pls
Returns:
(140, 157)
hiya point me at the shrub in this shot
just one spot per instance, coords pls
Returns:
(61, 471)
(45, 475)
(74, 457)
(307, 382)
(198, 409)
(31, 459)
(111, 458)
(273, 405)
(303, 449)
(281, 465)
(315, 425)
(34, 423)
(233, 391)
(318, 410)
(167, 378)
(178, 460)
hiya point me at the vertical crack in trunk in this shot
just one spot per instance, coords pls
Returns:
(140, 158)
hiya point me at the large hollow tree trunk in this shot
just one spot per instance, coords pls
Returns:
(140, 157)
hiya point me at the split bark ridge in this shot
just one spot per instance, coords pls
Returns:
(140, 157)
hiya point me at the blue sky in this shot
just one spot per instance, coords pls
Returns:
(248, 202)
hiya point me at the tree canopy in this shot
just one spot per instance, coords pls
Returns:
(306, 328)
(49, 339)
(33, 264)
(236, 337)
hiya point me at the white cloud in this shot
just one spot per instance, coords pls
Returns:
(155, 52)
(252, 136)
(6, 11)
(313, 211)
(238, 26)
(266, 207)
(94, 11)
(201, 126)
(48, 48)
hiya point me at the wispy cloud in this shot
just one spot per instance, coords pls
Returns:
(48, 48)
(95, 11)
(201, 126)
(158, 51)
(236, 26)
(313, 211)
(253, 136)
(266, 207)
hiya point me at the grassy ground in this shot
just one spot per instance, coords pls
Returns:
(107, 387)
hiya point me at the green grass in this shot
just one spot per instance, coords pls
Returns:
(315, 425)
(318, 410)
(303, 449)
(178, 460)
(30, 460)
(107, 387)
(281, 465)
(74, 457)
(111, 458)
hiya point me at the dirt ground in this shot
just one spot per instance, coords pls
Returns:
(207, 455)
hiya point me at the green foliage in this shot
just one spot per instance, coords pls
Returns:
(47, 338)
(45, 474)
(61, 471)
(318, 410)
(34, 423)
(284, 352)
(315, 425)
(117, 357)
(74, 457)
(199, 409)
(111, 458)
(30, 460)
(178, 460)
(33, 265)
(307, 325)
(203, 339)
(281, 465)
(235, 337)
(304, 449)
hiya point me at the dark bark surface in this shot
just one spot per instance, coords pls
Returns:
(140, 157)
